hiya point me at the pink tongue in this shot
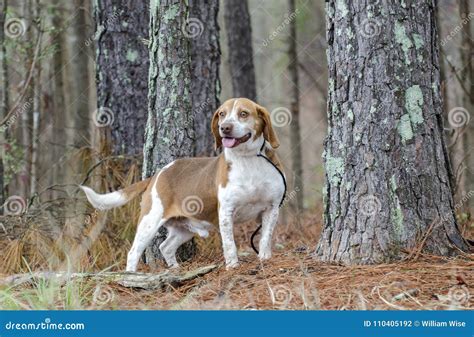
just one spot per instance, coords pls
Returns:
(229, 142)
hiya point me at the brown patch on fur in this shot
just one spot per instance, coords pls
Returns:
(223, 173)
(145, 204)
(215, 129)
(271, 154)
(268, 132)
(134, 190)
(193, 179)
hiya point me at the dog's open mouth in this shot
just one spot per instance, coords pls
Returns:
(230, 142)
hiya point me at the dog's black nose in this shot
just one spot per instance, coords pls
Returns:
(226, 128)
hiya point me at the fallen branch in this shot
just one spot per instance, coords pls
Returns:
(146, 281)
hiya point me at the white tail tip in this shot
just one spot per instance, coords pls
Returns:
(104, 201)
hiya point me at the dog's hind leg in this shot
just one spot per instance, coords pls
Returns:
(177, 235)
(147, 228)
(146, 231)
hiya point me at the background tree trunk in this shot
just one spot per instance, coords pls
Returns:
(78, 81)
(295, 133)
(169, 131)
(58, 136)
(388, 188)
(239, 41)
(37, 92)
(3, 97)
(203, 31)
(122, 71)
(467, 77)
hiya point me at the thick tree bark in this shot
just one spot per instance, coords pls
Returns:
(203, 31)
(388, 188)
(295, 135)
(122, 71)
(169, 130)
(239, 40)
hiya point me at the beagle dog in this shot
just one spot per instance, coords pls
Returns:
(189, 195)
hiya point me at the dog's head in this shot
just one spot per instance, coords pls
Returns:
(240, 122)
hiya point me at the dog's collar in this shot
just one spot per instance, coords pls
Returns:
(261, 154)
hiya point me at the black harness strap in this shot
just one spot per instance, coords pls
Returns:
(260, 154)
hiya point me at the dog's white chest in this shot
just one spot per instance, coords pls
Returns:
(254, 185)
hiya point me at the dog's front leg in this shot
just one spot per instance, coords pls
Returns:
(269, 221)
(226, 227)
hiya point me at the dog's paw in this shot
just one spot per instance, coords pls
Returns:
(264, 255)
(232, 265)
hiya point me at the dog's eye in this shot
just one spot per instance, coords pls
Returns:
(222, 113)
(244, 114)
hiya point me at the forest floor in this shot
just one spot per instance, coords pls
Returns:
(292, 279)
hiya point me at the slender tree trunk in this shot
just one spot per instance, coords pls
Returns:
(3, 97)
(36, 107)
(57, 174)
(239, 40)
(388, 188)
(78, 122)
(467, 78)
(295, 135)
(169, 131)
(203, 31)
(122, 71)
(26, 115)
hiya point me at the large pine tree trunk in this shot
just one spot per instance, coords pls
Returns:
(388, 179)
(170, 130)
(239, 41)
(122, 71)
(295, 135)
(203, 31)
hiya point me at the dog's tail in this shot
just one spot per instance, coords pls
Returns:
(117, 198)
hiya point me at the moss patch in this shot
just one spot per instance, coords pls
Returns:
(402, 38)
(404, 128)
(342, 7)
(334, 168)
(413, 104)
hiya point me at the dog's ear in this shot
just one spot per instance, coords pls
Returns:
(215, 130)
(268, 132)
